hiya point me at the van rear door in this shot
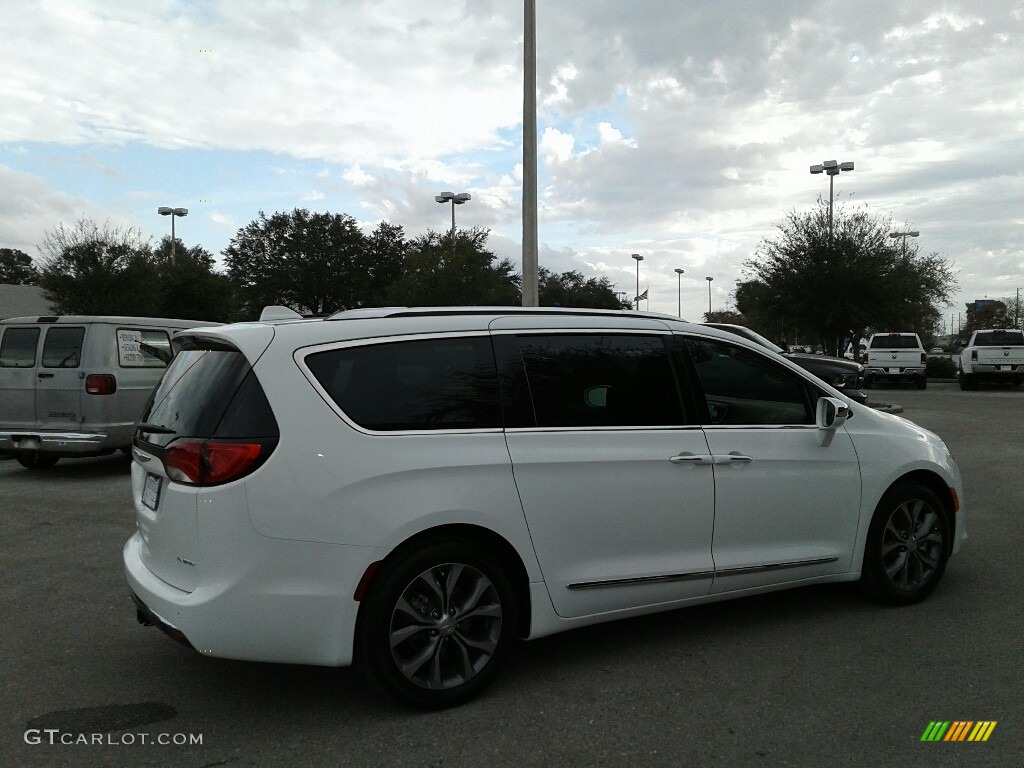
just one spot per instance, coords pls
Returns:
(19, 355)
(60, 377)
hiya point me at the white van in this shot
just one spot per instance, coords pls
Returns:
(74, 385)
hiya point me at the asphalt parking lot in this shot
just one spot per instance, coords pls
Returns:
(811, 677)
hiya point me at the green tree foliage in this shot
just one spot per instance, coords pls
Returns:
(189, 288)
(860, 280)
(16, 268)
(387, 247)
(572, 289)
(989, 313)
(312, 262)
(436, 274)
(103, 270)
(727, 316)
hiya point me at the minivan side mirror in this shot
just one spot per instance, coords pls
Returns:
(830, 414)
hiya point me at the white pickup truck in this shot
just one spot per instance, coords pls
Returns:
(895, 357)
(995, 355)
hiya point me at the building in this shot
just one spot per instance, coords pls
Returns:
(22, 301)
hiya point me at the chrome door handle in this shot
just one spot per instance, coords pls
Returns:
(689, 458)
(732, 458)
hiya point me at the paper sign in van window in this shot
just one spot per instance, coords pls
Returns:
(143, 349)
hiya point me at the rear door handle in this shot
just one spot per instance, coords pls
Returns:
(689, 458)
(732, 458)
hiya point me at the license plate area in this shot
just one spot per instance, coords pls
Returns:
(151, 491)
(893, 370)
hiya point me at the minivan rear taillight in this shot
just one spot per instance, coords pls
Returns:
(213, 462)
(100, 384)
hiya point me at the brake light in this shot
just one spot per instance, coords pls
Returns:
(208, 462)
(924, 358)
(100, 384)
(864, 358)
(974, 354)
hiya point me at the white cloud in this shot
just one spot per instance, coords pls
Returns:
(555, 146)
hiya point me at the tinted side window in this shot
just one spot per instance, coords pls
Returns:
(600, 380)
(18, 348)
(143, 348)
(428, 384)
(62, 347)
(744, 387)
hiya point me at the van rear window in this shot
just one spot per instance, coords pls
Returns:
(18, 347)
(62, 347)
(138, 348)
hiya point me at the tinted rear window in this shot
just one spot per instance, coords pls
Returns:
(18, 348)
(999, 339)
(895, 342)
(413, 385)
(199, 389)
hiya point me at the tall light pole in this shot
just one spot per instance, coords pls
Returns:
(530, 257)
(709, 279)
(679, 291)
(904, 236)
(832, 168)
(454, 199)
(638, 258)
(164, 210)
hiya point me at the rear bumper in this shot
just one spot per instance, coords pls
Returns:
(291, 603)
(14, 442)
(904, 374)
(996, 372)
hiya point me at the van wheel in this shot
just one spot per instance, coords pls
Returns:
(437, 625)
(908, 545)
(38, 461)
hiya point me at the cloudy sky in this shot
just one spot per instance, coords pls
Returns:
(682, 130)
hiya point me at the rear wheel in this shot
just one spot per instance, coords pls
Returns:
(922, 383)
(437, 624)
(908, 545)
(37, 460)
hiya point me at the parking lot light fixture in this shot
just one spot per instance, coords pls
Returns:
(832, 168)
(638, 258)
(679, 291)
(164, 210)
(904, 236)
(454, 199)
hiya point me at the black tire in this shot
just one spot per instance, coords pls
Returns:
(868, 383)
(37, 460)
(908, 545)
(922, 383)
(405, 618)
(965, 385)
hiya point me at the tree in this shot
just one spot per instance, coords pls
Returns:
(840, 289)
(387, 248)
(16, 268)
(312, 262)
(436, 274)
(726, 316)
(988, 313)
(190, 289)
(92, 270)
(572, 289)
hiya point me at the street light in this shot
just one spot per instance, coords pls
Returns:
(454, 199)
(904, 236)
(832, 168)
(709, 279)
(679, 291)
(638, 258)
(163, 210)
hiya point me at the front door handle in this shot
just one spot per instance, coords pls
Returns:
(689, 458)
(45, 375)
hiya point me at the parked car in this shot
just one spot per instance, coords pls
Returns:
(994, 354)
(845, 375)
(74, 385)
(413, 489)
(896, 357)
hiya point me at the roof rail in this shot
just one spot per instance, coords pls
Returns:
(377, 312)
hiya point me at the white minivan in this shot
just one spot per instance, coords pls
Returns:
(411, 490)
(74, 385)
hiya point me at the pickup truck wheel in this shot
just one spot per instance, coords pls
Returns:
(38, 461)
(437, 624)
(922, 383)
(908, 545)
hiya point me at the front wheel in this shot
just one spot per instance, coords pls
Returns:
(908, 545)
(437, 624)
